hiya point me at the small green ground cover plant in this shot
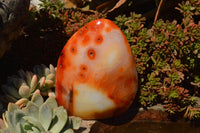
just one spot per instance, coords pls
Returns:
(72, 19)
(168, 60)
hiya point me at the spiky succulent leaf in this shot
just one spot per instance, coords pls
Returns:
(2, 124)
(12, 107)
(24, 91)
(45, 115)
(34, 83)
(33, 122)
(75, 122)
(37, 99)
(61, 114)
(51, 102)
(32, 109)
(18, 115)
(22, 102)
(69, 131)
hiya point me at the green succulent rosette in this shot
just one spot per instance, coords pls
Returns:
(24, 84)
(37, 116)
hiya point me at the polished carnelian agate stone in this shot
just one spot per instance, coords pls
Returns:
(96, 73)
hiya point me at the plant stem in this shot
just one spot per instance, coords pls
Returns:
(158, 10)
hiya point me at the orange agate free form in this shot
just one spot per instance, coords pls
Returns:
(96, 73)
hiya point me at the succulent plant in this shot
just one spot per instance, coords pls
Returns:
(24, 84)
(37, 116)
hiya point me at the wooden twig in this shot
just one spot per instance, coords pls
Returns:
(158, 10)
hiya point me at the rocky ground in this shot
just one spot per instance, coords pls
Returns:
(150, 118)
